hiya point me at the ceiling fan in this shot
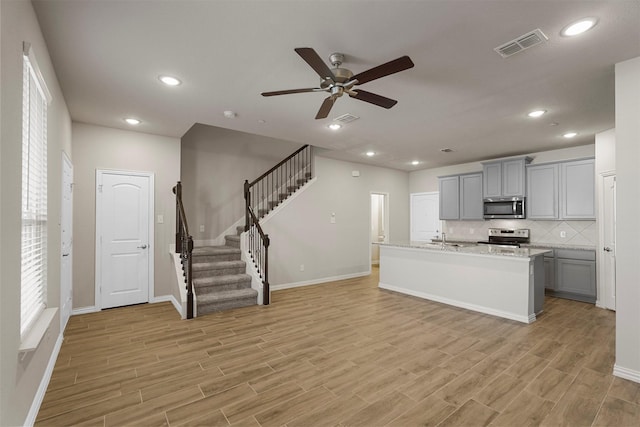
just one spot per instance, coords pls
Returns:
(338, 81)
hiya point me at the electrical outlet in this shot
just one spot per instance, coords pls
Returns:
(332, 220)
(301, 267)
(472, 231)
(563, 234)
(160, 219)
(202, 228)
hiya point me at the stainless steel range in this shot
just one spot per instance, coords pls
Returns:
(507, 237)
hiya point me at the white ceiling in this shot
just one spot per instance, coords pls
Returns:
(460, 94)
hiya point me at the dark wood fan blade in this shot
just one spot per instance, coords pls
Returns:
(311, 57)
(287, 92)
(391, 67)
(325, 108)
(373, 98)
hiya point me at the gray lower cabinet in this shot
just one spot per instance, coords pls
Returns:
(549, 271)
(571, 274)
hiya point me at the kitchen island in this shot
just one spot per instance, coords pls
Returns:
(504, 282)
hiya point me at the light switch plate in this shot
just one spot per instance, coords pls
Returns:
(160, 219)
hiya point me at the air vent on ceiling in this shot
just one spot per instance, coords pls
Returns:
(523, 42)
(346, 118)
(446, 150)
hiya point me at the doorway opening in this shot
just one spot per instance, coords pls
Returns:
(378, 231)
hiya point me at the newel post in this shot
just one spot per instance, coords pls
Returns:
(246, 205)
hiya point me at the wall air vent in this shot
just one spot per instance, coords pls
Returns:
(346, 118)
(523, 42)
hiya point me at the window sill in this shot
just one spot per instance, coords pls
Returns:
(34, 337)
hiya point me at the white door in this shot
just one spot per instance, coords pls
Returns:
(124, 203)
(379, 224)
(425, 217)
(608, 249)
(66, 229)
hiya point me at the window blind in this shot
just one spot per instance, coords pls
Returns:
(34, 197)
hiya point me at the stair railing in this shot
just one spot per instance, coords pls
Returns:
(258, 247)
(184, 246)
(266, 192)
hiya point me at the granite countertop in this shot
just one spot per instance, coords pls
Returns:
(559, 246)
(534, 245)
(472, 249)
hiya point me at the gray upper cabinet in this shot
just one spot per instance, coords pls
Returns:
(577, 190)
(471, 206)
(542, 191)
(449, 187)
(461, 196)
(492, 177)
(505, 178)
(563, 190)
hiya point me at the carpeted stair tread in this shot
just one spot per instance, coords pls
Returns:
(222, 280)
(225, 296)
(217, 265)
(215, 250)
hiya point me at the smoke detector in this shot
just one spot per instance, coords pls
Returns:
(521, 43)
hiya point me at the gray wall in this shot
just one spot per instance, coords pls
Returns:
(20, 379)
(301, 233)
(628, 209)
(97, 147)
(215, 164)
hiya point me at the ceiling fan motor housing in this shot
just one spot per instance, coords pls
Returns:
(340, 75)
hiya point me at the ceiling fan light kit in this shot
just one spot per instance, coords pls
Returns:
(338, 81)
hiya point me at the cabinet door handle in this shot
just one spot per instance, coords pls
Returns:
(142, 247)
(607, 249)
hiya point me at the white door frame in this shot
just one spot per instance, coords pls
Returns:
(98, 263)
(66, 163)
(386, 221)
(603, 288)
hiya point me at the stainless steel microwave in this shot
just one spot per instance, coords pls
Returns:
(504, 208)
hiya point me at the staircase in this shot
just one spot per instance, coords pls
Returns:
(219, 277)
(218, 274)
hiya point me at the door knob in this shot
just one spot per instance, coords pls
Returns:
(607, 249)
(142, 247)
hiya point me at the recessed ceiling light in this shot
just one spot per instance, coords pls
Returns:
(570, 134)
(415, 162)
(169, 80)
(132, 121)
(579, 27)
(370, 153)
(536, 113)
(334, 126)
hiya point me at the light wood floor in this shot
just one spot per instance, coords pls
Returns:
(343, 353)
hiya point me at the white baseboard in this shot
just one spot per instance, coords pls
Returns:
(626, 373)
(44, 383)
(172, 299)
(317, 281)
(84, 310)
(473, 307)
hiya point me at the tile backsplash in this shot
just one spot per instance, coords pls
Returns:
(549, 232)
